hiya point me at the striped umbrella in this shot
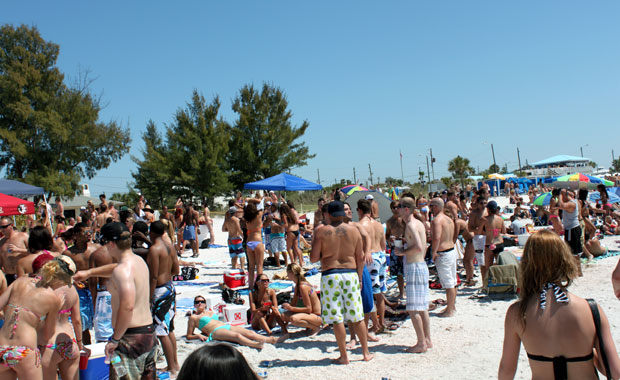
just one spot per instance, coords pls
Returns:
(350, 189)
(542, 199)
(581, 181)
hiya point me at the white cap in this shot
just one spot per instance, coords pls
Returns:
(369, 197)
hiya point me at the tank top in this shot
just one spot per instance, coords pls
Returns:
(570, 220)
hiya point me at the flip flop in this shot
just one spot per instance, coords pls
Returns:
(440, 302)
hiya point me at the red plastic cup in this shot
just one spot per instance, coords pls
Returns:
(84, 356)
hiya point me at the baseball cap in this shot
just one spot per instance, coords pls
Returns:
(113, 231)
(369, 197)
(492, 205)
(232, 210)
(336, 208)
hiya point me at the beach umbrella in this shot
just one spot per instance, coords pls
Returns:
(350, 189)
(580, 180)
(542, 199)
(596, 196)
(496, 176)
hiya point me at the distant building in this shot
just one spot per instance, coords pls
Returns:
(559, 166)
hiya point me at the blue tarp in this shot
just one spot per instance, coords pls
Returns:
(283, 182)
(19, 189)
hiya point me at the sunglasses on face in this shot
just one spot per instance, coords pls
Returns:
(199, 302)
(264, 280)
(401, 206)
(5, 226)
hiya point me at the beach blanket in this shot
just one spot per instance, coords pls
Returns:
(609, 253)
(503, 277)
(216, 246)
(193, 283)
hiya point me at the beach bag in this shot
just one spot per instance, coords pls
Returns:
(283, 297)
(205, 243)
(597, 323)
(187, 274)
(232, 296)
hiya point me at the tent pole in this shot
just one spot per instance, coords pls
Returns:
(49, 217)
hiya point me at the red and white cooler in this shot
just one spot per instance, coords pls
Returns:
(236, 315)
(234, 278)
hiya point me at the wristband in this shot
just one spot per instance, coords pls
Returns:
(112, 340)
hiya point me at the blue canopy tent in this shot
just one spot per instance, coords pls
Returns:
(22, 190)
(283, 182)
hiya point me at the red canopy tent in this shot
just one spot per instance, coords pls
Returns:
(14, 206)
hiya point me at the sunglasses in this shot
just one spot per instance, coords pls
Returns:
(401, 206)
(199, 301)
(5, 226)
(264, 280)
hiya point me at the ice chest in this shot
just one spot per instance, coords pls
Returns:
(236, 315)
(214, 302)
(233, 278)
(97, 369)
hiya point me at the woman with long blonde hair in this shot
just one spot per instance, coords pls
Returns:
(306, 311)
(555, 326)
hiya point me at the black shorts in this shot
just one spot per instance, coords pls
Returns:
(498, 248)
(572, 237)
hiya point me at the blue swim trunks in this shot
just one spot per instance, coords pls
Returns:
(103, 316)
(367, 299)
(86, 308)
(189, 233)
(377, 272)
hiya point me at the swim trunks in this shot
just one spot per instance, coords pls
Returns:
(235, 247)
(103, 316)
(446, 268)
(164, 308)
(377, 272)
(478, 242)
(396, 264)
(341, 299)
(418, 294)
(368, 301)
(189, 233)
(10, 278)
(278, 243)
(86, 308)
(137, 349)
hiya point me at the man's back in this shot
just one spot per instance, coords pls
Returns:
(163, 253)
(338, 246)
(130, 280)
(446, 226)
(375, 231)
(99, 258)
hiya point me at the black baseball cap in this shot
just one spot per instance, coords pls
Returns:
(336, 208)
(492, 205)
(113, 231)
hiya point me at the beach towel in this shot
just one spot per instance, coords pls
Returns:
(503, 277)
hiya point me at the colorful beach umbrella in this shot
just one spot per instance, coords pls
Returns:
(496, 176)
(350, 189)
(596, 196)
(542, 199)
(581, 181)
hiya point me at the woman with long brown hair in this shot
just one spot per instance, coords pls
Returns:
(555, 326)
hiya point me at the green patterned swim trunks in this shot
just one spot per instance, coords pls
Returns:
(341, 297)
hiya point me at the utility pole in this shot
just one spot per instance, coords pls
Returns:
(428, 174)
(318, 174)
(519, 157)
(432, 166)
(493, 152)
(612, 157)
(354, 177)
(370, 170)
(401, 168)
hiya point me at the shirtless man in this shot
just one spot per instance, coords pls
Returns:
(444, 254)
(102, 305)
(452, 204)
(374, 207)
(277, 236)
(13, 246)
(493, 228)
(80, 253)
(113, 213)
(60, 209)
(191, 229)
(209, 223)
(413, 248)
(103, 215)
(339, 248)
(395, 229)
(379, 266)
(318, 214)
(476, 248)
(235, 237)
(163, 263)
(134, 337)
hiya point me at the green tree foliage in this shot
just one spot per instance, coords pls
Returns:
(153, 175)
(394, 181)
(263, 141)
(592, 164)
(447, 181)
(191, 161)
(493, 169)
(615, 165)
(460, 168)
(50, 133)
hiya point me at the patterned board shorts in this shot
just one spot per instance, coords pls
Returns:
(378, 269)
(103, 316)
(418, 294)
(396, 264)
(278, 243)
(341, 299)
(235, 247)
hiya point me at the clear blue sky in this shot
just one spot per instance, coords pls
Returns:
(372, 78)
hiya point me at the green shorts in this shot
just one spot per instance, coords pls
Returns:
(341, 297)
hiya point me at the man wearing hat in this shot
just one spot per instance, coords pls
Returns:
(133, 339)
(339, 248)
(374, 207)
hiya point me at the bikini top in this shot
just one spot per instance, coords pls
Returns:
(15, 317)
(560, 368)
(206, 320)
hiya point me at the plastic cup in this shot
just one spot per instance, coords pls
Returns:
(84, 356)
(398, 243)
(268, 304)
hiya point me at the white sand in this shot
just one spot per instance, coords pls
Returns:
(468, 346)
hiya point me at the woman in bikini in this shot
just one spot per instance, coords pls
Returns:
(291, 221)
(61, 353)
(39, 243)
(264, 307)
(307, 310)
(31, 308)
(493, 228)
(604, 198)
(255, 249)
(211, 328)
(555, 326)
(554, 212)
